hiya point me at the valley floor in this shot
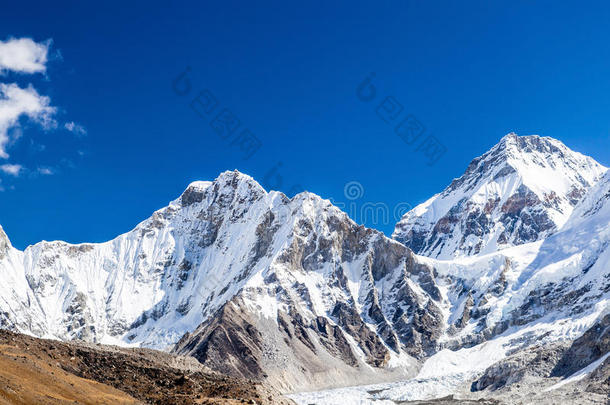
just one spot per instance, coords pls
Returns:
(529, 391)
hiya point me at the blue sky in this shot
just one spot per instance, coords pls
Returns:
(468, 74)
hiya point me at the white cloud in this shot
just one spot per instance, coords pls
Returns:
(45, 171)
(16, 102)
(75, 128)
(13, 170)
(23, 55)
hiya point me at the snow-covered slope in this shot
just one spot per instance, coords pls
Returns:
(146, 287)
(258, 285)
(311, 290)
(565, 277)
(519, 312)
(522, 190)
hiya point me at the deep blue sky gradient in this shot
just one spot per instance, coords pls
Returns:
(469, 73)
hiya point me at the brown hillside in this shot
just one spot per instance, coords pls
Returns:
(39, 371)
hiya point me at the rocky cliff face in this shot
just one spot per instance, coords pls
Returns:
(260, 282)
(522, 190)
(258, 285)
(334, 303)
(525, 324)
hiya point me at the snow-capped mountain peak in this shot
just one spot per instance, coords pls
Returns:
(256, 284)
(521, 190)
(298, 271)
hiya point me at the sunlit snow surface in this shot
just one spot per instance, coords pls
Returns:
(581, 245)
(542, 165)
(55, 289)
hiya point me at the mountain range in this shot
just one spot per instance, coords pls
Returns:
(497, 286)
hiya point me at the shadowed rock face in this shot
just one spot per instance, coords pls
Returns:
(348, 300)
(561, 359)
(233, 341)
(229, 343)
(348, 318)
(524, 219)
(599, 380)
(592, 345)
(537, 361)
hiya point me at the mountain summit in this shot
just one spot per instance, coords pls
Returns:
(520, 191)
(249, 282)
(290, 290)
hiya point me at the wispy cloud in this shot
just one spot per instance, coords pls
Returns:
(75, 128)
(12, 169)
(46, 171)
(16, 102)
(23, 55)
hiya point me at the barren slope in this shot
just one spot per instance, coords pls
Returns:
(39, 371)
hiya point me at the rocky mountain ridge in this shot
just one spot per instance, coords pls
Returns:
(292, 291)
(527, 324)
(306, 288)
